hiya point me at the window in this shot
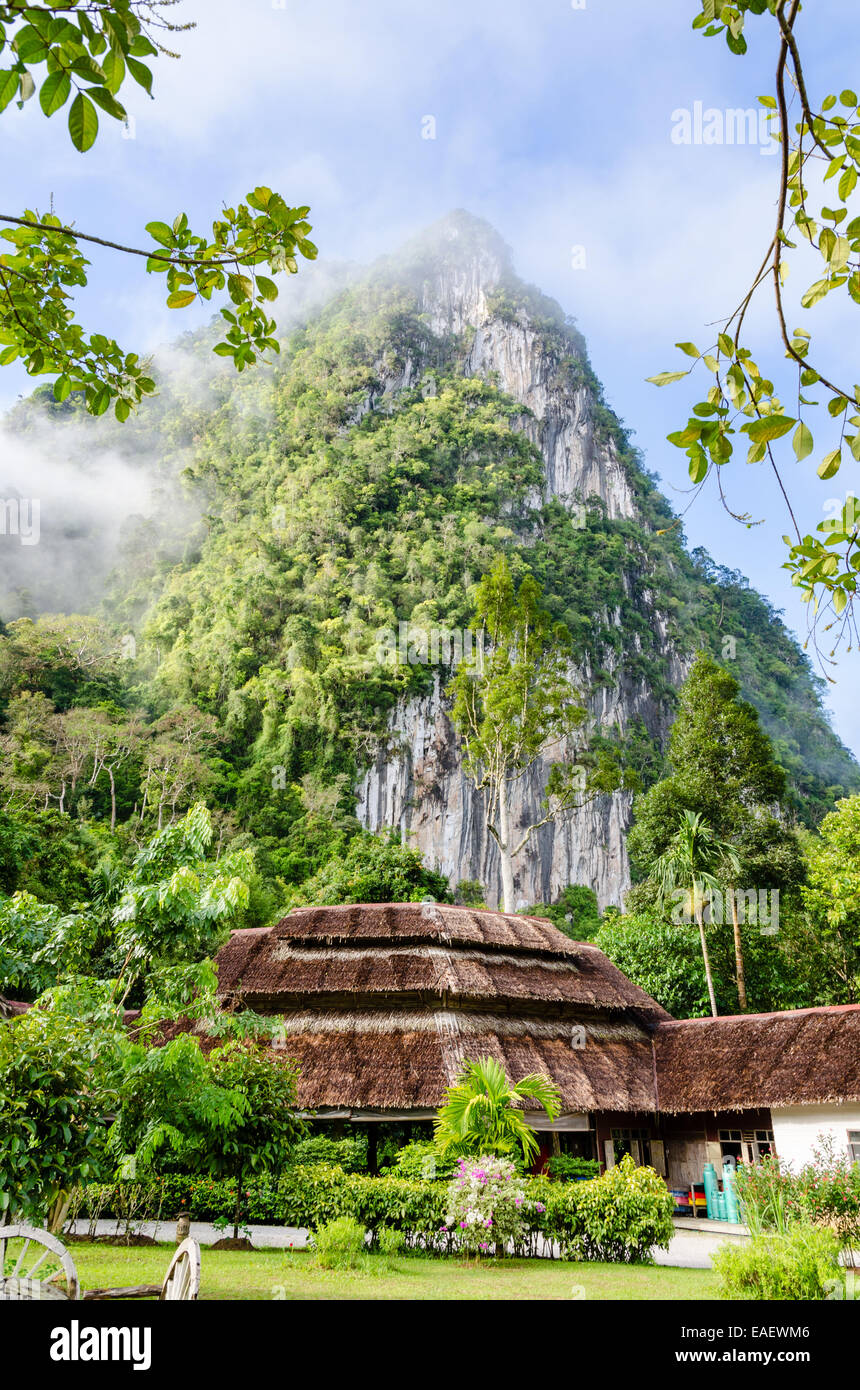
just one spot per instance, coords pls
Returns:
(579, 1144)
(763, 1143)
(636, 1142)
(854, 1145)
(746, 1146)
(731, 1144)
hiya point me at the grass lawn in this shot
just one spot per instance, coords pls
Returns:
(268, 1274)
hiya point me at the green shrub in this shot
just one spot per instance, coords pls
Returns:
(421, 1160)
(801, 1264)
(619, 1216)
(825, 1192)
(390, 1242)
(314, 1195)
(339, 1244)
(569, 1168)
(348, 1154)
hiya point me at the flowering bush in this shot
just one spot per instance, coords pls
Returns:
(487, 1205)
(825, 1192)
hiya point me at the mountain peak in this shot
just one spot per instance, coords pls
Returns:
(452, 265)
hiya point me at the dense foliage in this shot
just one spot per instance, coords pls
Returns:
(803, 1263)
(620, 1216)
(481, 1112)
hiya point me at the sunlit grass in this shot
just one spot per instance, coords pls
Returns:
(274, 1274)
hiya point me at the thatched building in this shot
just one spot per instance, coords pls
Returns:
(382, 1003)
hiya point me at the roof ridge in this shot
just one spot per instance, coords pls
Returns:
(774, 1013)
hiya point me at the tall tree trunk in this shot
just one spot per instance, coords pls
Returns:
(112, 799)
(505, 849)
(739, 955)
(706, 958)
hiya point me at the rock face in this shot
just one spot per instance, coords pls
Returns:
(417, 782)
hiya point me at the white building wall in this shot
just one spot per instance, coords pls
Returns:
(796, 1129)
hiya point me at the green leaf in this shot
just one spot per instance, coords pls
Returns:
(54, 92)
(122, 410)
(698, 466)
(8, 86)
(848, 98)
(802, 441)
(770, 427)
(103, 98)
(815, 293)
(141, 74)
(848, 182)
(180, 298)
(266, 287)
(113, 68)
(663, 378)
(690, 349)
(100, 401)
(840, 600)
(239, 288)
(829, 465)
(62, 387)
(83, 123)
(159, 231)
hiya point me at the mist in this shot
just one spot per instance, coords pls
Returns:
(80, 497)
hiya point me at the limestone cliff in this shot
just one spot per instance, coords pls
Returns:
(416, 781)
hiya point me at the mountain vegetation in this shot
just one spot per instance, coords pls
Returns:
(233, 655)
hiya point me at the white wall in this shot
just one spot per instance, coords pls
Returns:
(796, 1129)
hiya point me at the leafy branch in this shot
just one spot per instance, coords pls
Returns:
(742, 399)
(90, 50)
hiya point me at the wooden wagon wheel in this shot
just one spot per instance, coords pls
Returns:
(41, 1262)
(182, 1281)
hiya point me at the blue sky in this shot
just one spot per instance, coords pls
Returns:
(552, 121)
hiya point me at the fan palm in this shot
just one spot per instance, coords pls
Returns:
(479, 1116)
(688, 864)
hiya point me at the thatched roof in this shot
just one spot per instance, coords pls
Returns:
(392, 922)
(382, 1003)
(428, 952)
(404, 1060)
(800, 1057)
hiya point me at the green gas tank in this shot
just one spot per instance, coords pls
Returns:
(712, 1190)
(730, 1191)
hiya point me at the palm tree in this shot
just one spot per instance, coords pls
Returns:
(687, 864)
(730, 866)
(479, 1115)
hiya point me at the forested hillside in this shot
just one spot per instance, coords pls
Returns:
(228, 646)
